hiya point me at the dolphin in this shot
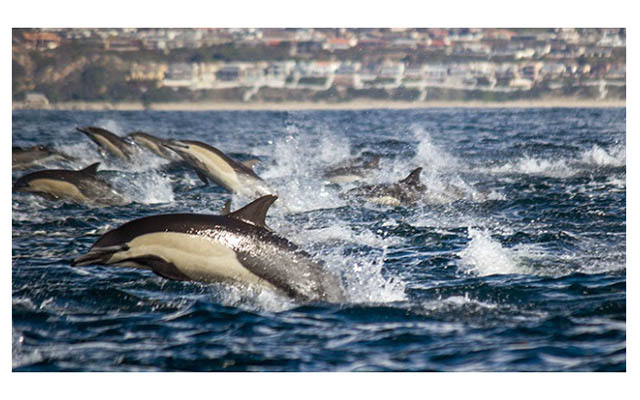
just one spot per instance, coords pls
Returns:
(109, 142)
(23, 158)
(83, 186)
(155, 144)
(352, 170)
(406, 192)
(212, 164)
(236, 248)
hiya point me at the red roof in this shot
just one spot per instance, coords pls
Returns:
(41, 36)
(339, 41)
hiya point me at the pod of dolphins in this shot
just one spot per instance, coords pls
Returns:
(235, 247)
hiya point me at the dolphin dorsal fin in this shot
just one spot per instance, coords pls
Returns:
(255, 213)
(226, 210)
(414, 177)
(91, 169)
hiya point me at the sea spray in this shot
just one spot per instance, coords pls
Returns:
(485, 256)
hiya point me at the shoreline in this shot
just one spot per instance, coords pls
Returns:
(351, 105)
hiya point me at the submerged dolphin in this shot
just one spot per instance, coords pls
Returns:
(212, 164)
(351, 170)
(83, 186)
(403, 193)
(410, 190)
(23, 158)
(109, 142)
(154, 144)
(235, 248)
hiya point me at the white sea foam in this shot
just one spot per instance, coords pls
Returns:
(485, 256)
(431, 156)
(596, 156)
(613, 157)
(362, 273)
(295, 174)
(456, 302)
(152, 188)
(364, 281)
(535, 166)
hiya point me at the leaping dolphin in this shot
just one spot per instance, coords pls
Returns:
(212, 164)
(109, 142)
(403, 193)
(235, 248)
(410, 191)
(154, 144)
(23, 158)
(83, 186)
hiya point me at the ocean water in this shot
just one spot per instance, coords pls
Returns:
(521, 268)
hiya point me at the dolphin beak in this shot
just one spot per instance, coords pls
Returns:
(19, 186)
(83, 130)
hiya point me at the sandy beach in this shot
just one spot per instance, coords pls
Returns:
(357, 105)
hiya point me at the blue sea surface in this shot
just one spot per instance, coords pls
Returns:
(521, 268)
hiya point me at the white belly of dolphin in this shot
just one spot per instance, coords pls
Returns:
(386, 201)
(341, 179)
(200, 258)
(217, 167)
(149, 144)
(226, 176)
(112, 148)
(58, 188)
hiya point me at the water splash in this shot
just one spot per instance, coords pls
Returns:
(614, 157)
(485, 256)
(536, 166)
(296, 173)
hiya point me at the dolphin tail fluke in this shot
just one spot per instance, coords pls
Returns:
(98, 255)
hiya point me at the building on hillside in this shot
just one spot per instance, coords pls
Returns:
(435, 73)
(339, 44)
(229, 73)
(115, 43)
(36, 100)
(531, 71)
(41, 40)
(309, 47)
(179, 75)
(147, 72)
(521, 84)
(346, 75)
